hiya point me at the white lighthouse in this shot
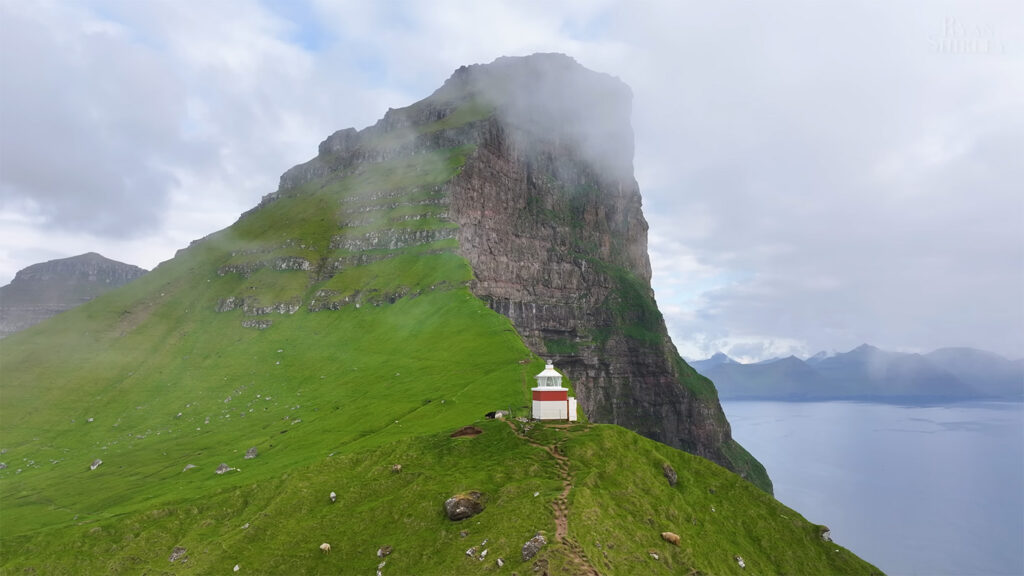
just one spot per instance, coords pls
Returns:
(550, 400)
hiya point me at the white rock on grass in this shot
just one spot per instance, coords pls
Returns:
(224, 468)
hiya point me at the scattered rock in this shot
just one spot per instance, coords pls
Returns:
(257, 324)
(89, 420)
(501, 562)
(236, 569)
(383, 551)
(188, 467)
(471, 552)
(739, 560)
(95, 464)
(482, 555)
(251, 453)
(3, 466)
(245, 526)
(532, 546)
(223, 468)
(670, 537)
(535, 494)
(396, 468)
(711, 490)
(464, 505)
(670, 474)
(467, 431)
(178, 552)
(333, 497)
(463, 534)
(654, 554)
(825, 533)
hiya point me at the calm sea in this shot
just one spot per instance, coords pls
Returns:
(933, 490)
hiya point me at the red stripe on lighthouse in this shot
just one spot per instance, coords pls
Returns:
(557, 395)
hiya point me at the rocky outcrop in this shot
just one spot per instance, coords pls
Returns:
(178, 553)
(49, 288)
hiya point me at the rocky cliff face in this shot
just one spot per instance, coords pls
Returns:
(549, 216)
(46, 289)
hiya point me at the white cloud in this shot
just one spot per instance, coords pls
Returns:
(815, 176)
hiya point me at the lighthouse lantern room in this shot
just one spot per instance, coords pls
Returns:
(550, 400)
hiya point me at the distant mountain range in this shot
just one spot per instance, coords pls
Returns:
(48, 288)
(869, 373)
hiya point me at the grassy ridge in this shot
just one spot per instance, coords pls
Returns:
(619, 504)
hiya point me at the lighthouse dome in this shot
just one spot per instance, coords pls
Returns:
(549, 378)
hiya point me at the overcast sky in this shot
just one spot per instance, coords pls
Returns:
(816, 175)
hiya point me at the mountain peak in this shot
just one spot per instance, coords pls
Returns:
(864, 349)
(42, 290)
(536, 101)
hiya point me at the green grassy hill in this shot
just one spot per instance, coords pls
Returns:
(332, 330)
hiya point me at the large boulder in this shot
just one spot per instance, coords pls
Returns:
(533, 545)
(464, 505)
